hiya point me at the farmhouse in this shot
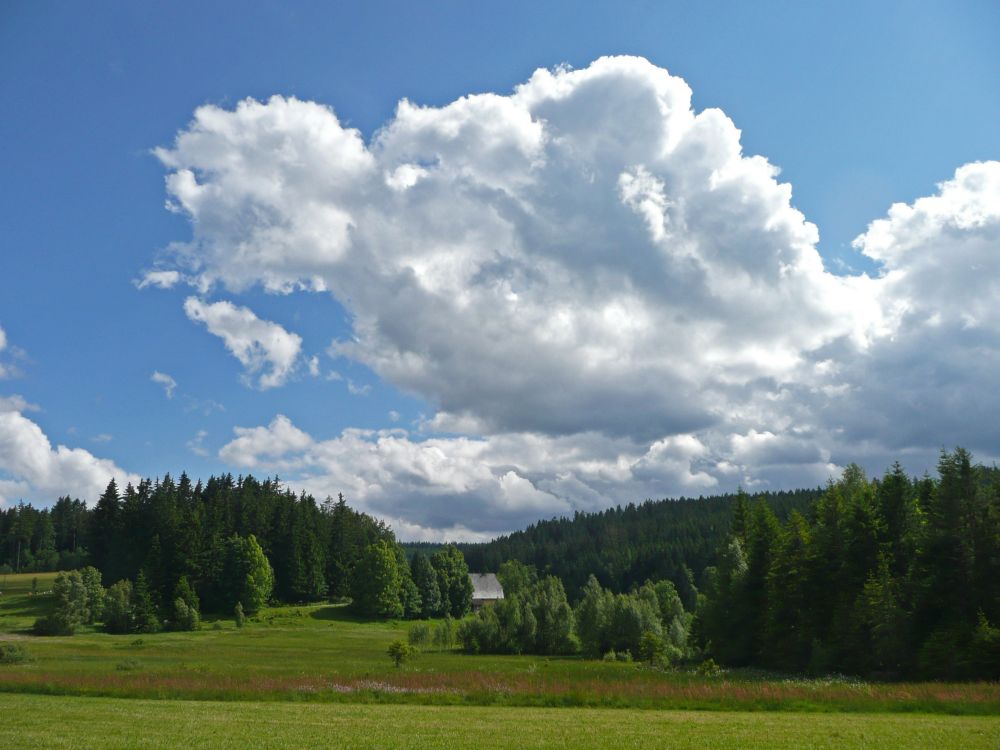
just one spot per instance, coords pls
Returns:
(486, 589)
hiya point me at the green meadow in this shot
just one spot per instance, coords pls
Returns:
(45, 721)
(313, 675)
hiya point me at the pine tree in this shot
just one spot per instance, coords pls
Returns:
(144, 619)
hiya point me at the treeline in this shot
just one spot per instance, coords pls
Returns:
(232, 541)
(892, 577)
(648, 623)
(624, 547)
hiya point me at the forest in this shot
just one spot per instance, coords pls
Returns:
(165, 548)
(627, 546)
(891, 577)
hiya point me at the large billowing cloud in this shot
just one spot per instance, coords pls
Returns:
(594, 284)
(30, 466)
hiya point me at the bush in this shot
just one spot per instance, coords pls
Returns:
(709, 668)
(13, 653)
(241, 619)
(652, 649)
(419, 635)
(444, 634)
(129, 665)
(185, 617)
(399, 652)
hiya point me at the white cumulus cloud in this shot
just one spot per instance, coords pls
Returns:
(39, 470)
(261, 346)
(590, 269)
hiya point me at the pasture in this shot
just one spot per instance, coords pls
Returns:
(57, 723)
(315, 675)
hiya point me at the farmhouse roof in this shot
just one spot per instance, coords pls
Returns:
(486, 586)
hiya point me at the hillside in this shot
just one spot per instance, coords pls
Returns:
(626, 545)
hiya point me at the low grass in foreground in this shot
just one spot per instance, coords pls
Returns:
(57, 723)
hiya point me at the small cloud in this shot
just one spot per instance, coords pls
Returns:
(393, 416)
(8, 370)
(205, 406)
(17, 404)
(168, 383)
(104, 437)
(196, 444)
(358, 390)
(334, 375)
(159, 279)
(314, 366)
(262, 347)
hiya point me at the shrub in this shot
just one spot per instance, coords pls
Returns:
(709, 668)
(129, 665)
(13, 653)
(444, 634)
(241, 619)
(185, 617)
(419, 635)
(399, 652)
(652, 649)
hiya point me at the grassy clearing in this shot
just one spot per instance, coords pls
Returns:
(322, 654)
(40, 721)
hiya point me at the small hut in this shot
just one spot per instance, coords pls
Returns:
(486, 589)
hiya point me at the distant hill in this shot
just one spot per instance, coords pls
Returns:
(624, 546)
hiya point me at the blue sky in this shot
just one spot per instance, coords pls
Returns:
(860, 105)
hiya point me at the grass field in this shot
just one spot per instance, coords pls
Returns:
(320, 673)
(43, 721)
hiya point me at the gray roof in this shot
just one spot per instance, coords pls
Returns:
(485, 586)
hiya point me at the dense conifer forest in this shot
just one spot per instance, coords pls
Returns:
(203, 542)
(625, 546)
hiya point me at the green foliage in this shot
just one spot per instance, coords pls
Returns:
(171, 529)
(72, 606)
(144, 618)
(419, 634)
(516, 578)
(453, 581)
(91, 580)
(399, 652)
(239, 616)
(653, 649)
(593, 617)
(13, 653)
(118, 607)
(185, 616)
(378, 582)
(444, 634)
(630, 544)
(708, 668)
(889, 577)
(538, 620)
(425, 579)
(247, 577)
